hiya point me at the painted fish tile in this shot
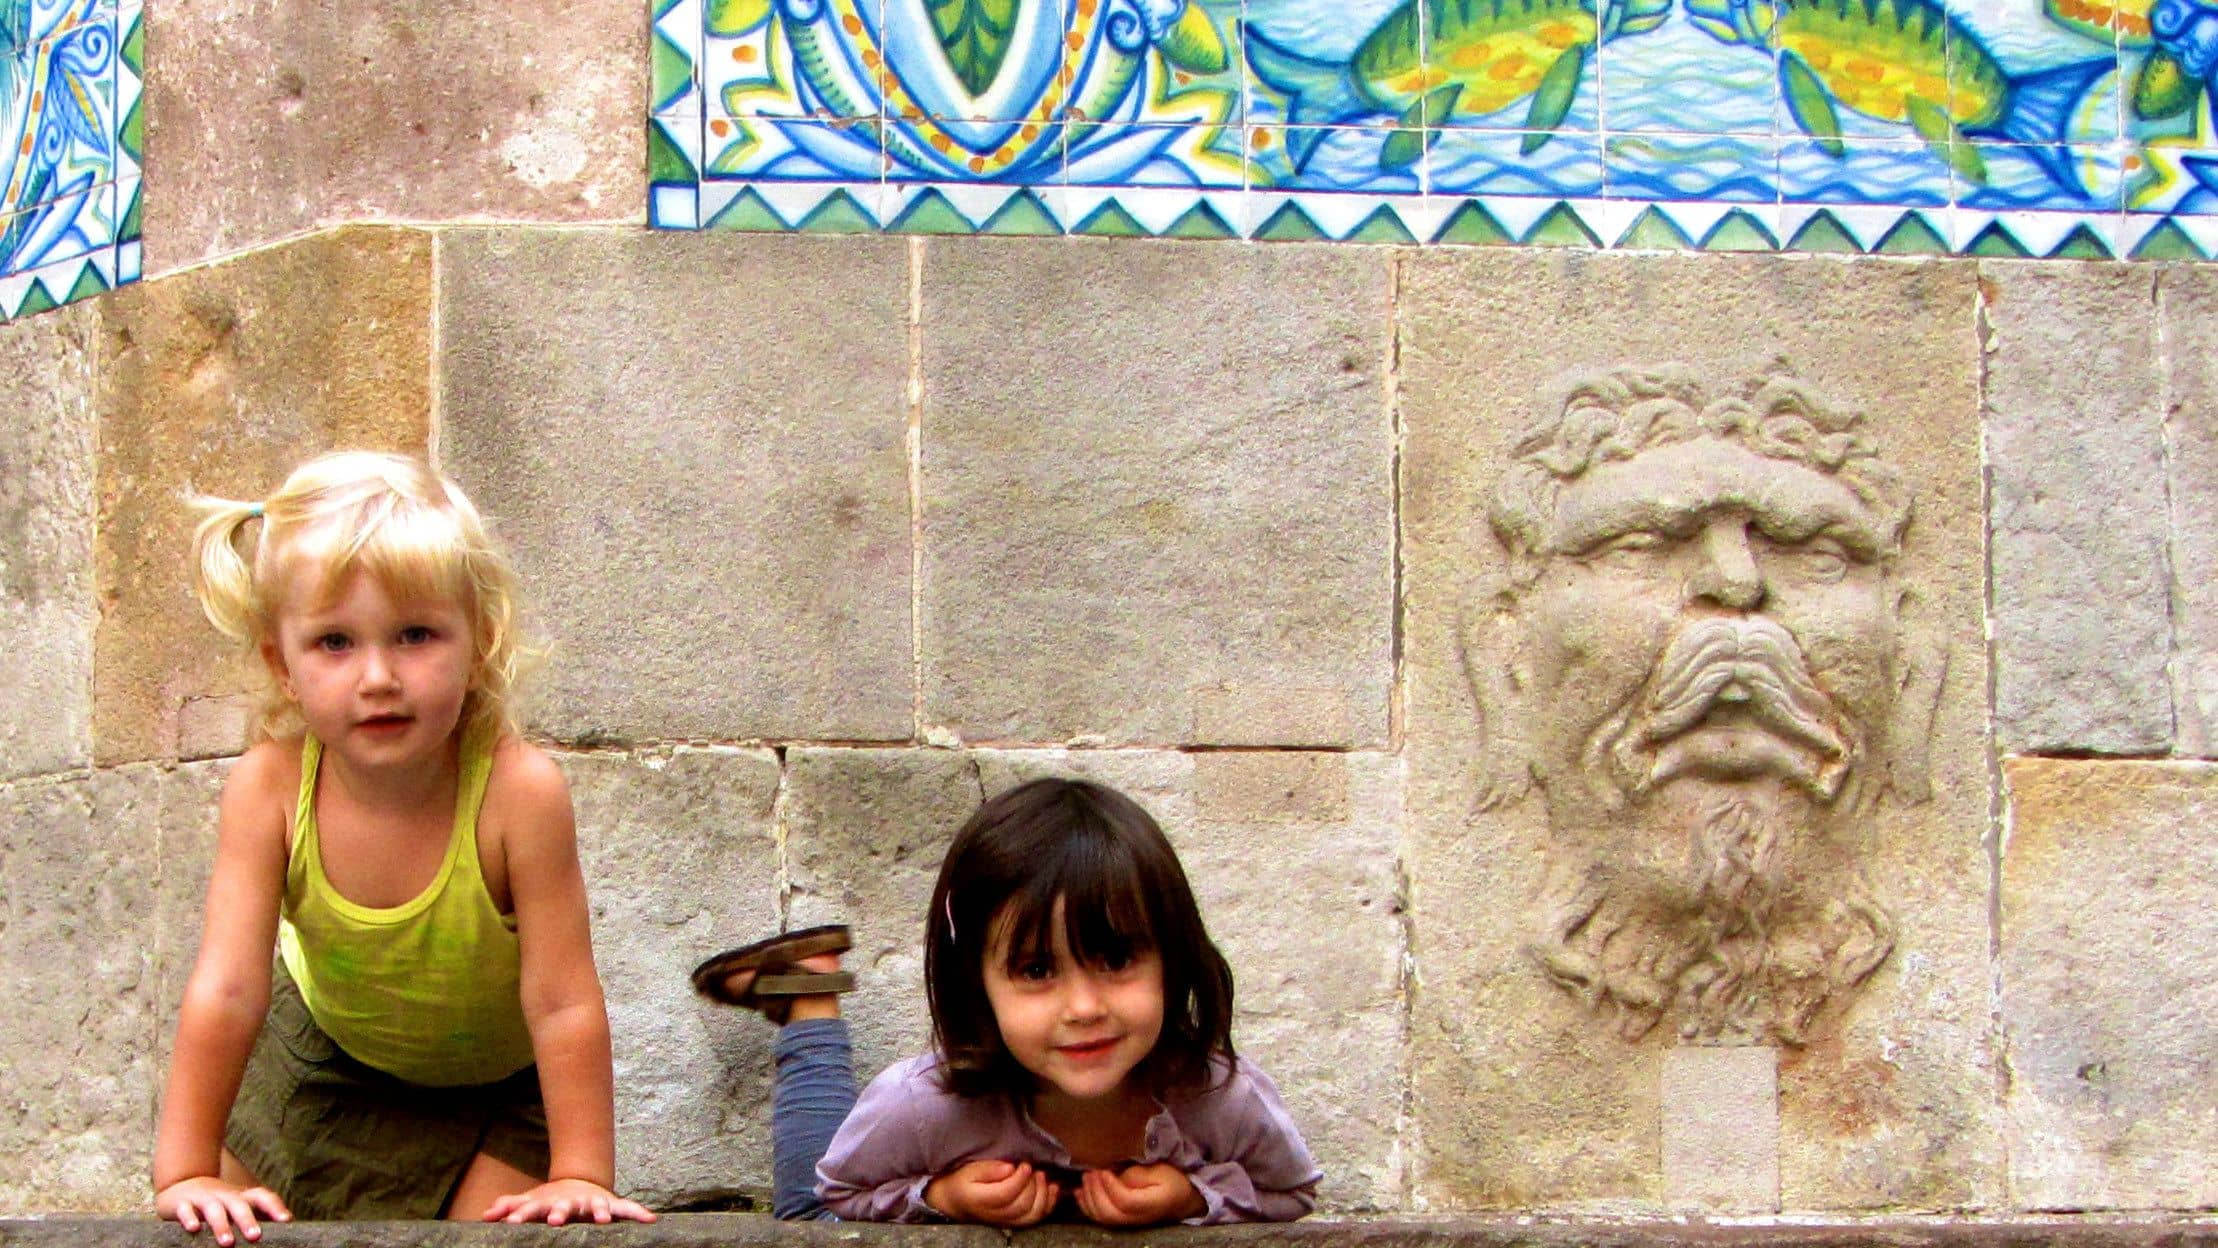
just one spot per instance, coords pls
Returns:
(1546, 165)
(2006, 177)
(1863, 171)
(1892, 125)
(130, 73)
(1370, 159)
(1703, 72)
(1713, 168)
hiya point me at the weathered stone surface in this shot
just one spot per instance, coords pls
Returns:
(1721, 1127)
(1315, 940)
(681, 860)
(1525, 1097)
(2075, 435)
(223, 380)
(724, 1230)
(1153, 473)
(710, 508)
(46, 584)
(2109, 983)
(265, 119)
(184, 825)
(77, 879)
(2188, 299)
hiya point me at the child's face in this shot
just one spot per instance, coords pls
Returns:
(1079, 1029)
(380, 681)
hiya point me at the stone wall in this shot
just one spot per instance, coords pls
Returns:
(835, 535)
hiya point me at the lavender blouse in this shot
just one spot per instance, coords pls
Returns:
(1235, 1142)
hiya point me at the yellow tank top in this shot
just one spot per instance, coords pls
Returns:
(426, 990)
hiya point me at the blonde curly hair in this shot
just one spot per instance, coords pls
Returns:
(388, 516)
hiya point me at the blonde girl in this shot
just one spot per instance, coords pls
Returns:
(433, 1040)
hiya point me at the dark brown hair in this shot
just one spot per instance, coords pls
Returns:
(1123, 892)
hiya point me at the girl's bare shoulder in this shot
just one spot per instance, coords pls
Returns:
(268, 769)
(525, 789)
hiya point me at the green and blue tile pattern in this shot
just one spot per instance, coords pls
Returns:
(2061, 128)
(70, 150)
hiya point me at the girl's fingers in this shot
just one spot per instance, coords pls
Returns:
(268, 1204)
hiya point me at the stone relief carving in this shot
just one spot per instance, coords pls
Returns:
(1703, 659)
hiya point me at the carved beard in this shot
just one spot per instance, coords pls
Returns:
(1706, 892)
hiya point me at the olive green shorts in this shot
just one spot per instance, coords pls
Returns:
(338, 1139)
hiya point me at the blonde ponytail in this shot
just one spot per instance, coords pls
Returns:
(223, 577)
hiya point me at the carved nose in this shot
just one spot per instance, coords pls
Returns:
(1727, 574)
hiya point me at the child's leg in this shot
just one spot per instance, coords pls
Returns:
(809, 1098)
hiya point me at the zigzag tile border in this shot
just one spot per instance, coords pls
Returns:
(1293, 216)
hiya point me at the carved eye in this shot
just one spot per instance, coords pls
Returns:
(1626, 548)
(1819, 559)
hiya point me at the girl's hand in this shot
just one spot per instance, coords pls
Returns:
(996, 1193)
(192, 1202)
(562, 1200)
(1139, 1196)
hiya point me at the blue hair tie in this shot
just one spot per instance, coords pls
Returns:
(254, 511)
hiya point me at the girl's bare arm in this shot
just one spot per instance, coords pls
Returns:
(230, 985)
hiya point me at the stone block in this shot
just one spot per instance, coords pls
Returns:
(265, 119)
(2075, 436)
(1155, 474)
(642, 406)
(184, 825)
(680, 856)
(2109, 980)
(1604, 856)
(2188, 303)
(222, 380)
(77, 879)
(1721, 1127)
(1315, 941)
(47, 368)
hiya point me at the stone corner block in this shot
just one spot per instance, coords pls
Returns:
(265, 119)
(2076, 436)
(2109, 975)
(222, 380)
(1114, 437)
(712, 519)
(679, 849)
(47, 605)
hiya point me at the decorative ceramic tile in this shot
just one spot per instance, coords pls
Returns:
(1715, 168)
(1548, 164)
(1714, 71)
(674, 80)
(674, 171)
(1378, 160)
(2001, 177)
(2037, 127)
(69, 130)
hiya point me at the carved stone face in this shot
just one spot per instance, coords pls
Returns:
(1708, 613)
(1700, 664)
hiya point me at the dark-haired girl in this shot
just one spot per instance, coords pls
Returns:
(1082, 1056)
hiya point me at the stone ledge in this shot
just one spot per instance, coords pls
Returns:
(724, 1230)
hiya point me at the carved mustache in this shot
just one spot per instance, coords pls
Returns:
(1753, 665)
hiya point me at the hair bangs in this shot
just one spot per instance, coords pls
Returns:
(1106, 920)
(414, 553)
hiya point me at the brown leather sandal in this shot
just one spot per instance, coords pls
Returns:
(776, 976)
